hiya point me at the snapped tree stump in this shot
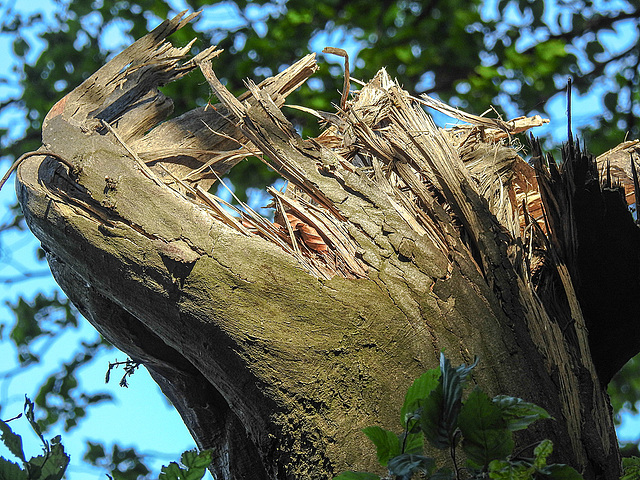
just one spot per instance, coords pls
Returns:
(278, 341)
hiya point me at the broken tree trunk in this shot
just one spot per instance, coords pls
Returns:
(279, 341)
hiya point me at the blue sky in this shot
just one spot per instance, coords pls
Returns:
(141, 417)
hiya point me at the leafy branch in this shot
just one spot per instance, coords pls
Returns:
(482, 427)
(49, 466)
(129, 367)
(53, 464)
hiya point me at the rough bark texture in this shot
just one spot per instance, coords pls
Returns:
(278, 342)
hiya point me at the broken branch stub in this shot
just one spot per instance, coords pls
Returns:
(393, 239)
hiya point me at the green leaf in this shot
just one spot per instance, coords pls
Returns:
(34, 468)
(417, 392)
(487, 72)
(30, 416)
(506, 470)
(390, 15)
(631, 468)
(518, 413)
(537, 10)
(20, 47)
(11, 471)
(403, 53)
(125, 464)
(550, 50)
(541, 452)
(443, 474)
(559, 471)
(413, 444)
(52, 466)
(485, 432)
(611, 101)
(356, 476)
(432, 421)
(13, 441)
(406, 465)
(31, 315)
(440, 408)
(578, 22)
(95, 452)
(387, 443)
(195, 473)
(594, 48)
(193, 459)
(171, 472)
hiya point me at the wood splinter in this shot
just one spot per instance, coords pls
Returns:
(345, 87)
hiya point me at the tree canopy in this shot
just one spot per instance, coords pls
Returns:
(514, 55)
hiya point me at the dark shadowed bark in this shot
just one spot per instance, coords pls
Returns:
(279, 341)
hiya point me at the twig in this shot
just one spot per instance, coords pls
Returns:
(34, 153)
(456, 469)
(13, 418)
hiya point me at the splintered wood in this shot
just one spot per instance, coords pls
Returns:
(434, 179)
(384, 134)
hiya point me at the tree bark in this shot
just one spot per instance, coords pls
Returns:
(278, 342)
